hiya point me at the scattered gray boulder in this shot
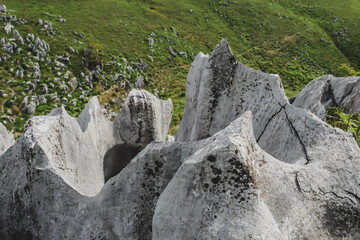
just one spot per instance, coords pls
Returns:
(45, 89)
(30, 108)
(42, 99)
(18, 36)
(24, 102)
(151, 41)
(39, 22)
(2, 8)
(329, 91)
(74, 83)
(30, 37)
(140, 82)
(19, 72)
(172, 52)
(6, 139)
(8, 27)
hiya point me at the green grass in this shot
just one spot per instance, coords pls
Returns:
(298, 40)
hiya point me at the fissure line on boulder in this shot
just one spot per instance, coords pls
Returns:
(263, 131)
(296, 134)
(297, 182)
(353, 194)
(341, 197)
(70, 131)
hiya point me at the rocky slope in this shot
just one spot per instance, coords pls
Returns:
(245, 165)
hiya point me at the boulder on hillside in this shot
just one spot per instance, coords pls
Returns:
(329, 91)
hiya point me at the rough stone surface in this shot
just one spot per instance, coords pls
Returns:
(259, 169)
(329, 91)
(6, 139)
(143, 119)
(220, 89)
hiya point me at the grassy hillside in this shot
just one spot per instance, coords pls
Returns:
(299, 40)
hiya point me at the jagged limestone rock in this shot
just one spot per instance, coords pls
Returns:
(73, 148)
(143, 119)
(220, 89)
(215, 194)
(329, 91)
(6, 139)
(259, 169)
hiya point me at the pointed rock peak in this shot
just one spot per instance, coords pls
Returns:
(58, 111)
(93, 101)
(222, 50)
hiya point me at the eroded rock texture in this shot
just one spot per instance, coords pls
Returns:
(6, 139)
(143, 119)
(329, 91)
(246, 165)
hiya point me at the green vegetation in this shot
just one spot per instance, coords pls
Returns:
(299, 40)
(336, 117)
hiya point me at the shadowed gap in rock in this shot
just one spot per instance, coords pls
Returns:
(117, 158)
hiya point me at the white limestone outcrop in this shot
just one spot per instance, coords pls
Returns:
(329, 91)
(6, 139)
(246, 165)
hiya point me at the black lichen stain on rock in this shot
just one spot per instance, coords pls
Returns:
(234, 179)
(342, 220)
(211, 158)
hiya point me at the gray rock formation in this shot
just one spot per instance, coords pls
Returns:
(6, 139)
(329, 91)
(143, 119)
(219, 89)
(8, 27)
(75, 148)
(2, 8)
(258, 169)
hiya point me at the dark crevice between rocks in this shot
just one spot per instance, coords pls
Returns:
(118, 157)
(329, 94)
(296, 134)
(263, 131)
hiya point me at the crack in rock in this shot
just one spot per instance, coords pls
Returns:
(342, 197)
(263, 131)
(296, 134)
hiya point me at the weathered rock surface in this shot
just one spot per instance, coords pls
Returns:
(75, 148)
(329, 91)
(143, 119)
(220, 89)
(72, 148)
(246, 165)
(6, 139)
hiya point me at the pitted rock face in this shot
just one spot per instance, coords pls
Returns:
(329, 91)
(219, 89)
(143, 119)
(6, 139)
